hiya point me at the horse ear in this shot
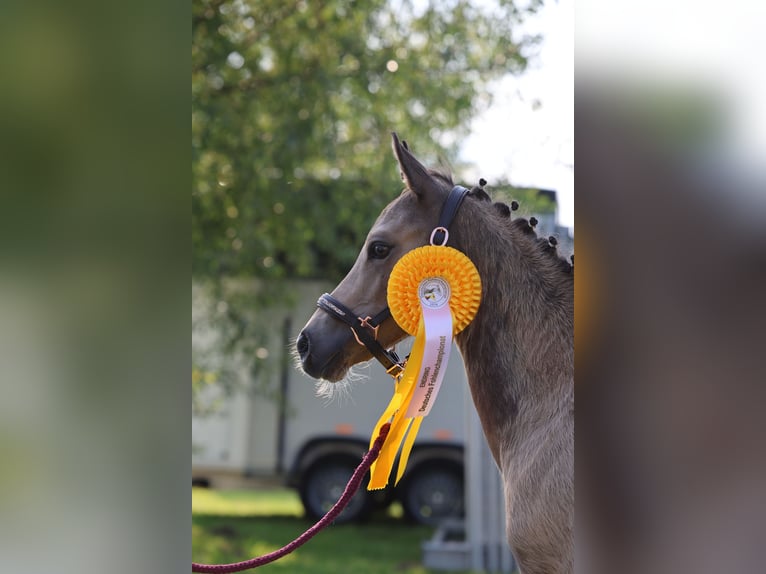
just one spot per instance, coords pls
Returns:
(414, 174)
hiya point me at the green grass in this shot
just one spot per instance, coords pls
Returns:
(230, 526)
(272, 502)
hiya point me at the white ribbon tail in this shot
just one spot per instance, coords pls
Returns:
(438, 330)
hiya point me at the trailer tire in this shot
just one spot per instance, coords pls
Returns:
(322, 485)
(432, 492)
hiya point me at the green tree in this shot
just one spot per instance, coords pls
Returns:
(292, 105)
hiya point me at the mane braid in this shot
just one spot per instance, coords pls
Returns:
(502, 209)
(523, 225)
(479, 193)
(546, 246)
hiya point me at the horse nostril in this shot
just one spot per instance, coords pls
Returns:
(303, 346)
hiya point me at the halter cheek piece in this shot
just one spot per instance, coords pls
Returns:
(365, 329)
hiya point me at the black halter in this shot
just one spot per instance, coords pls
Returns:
(365, 329)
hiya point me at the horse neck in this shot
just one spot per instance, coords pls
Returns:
(518, 350)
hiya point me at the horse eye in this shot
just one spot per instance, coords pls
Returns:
(378, 250)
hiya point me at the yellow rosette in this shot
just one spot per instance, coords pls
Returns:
(426, 277)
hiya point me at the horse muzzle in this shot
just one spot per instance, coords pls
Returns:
(321, 352)
(309, 364)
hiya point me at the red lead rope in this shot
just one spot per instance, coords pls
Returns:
(332, 514)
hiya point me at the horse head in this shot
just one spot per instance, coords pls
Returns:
(328, 347)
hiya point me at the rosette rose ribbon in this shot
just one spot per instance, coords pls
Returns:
(433, 293)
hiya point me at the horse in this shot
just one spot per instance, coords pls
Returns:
(518, 351)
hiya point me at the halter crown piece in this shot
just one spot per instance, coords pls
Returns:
(433, 293)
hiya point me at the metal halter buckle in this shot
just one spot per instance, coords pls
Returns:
(366, 323)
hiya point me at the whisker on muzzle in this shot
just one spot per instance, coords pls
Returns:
(294, 354)
(340, 392)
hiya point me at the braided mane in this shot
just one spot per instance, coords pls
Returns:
(521, 226)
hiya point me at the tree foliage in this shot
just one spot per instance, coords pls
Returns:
(292, 106)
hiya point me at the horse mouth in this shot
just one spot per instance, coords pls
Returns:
(335, 375)
(326, 356)
(333, 369)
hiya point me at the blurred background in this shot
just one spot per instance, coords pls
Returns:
(94, 287)
(671, 214)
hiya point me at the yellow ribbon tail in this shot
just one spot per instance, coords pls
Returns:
(404, 457)
(380, 474)
(397, 408)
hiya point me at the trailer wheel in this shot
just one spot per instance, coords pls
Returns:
(324, 482)
(432, 492)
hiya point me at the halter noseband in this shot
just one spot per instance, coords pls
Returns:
(365, 329)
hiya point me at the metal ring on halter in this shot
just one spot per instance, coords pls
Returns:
(443, 230)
